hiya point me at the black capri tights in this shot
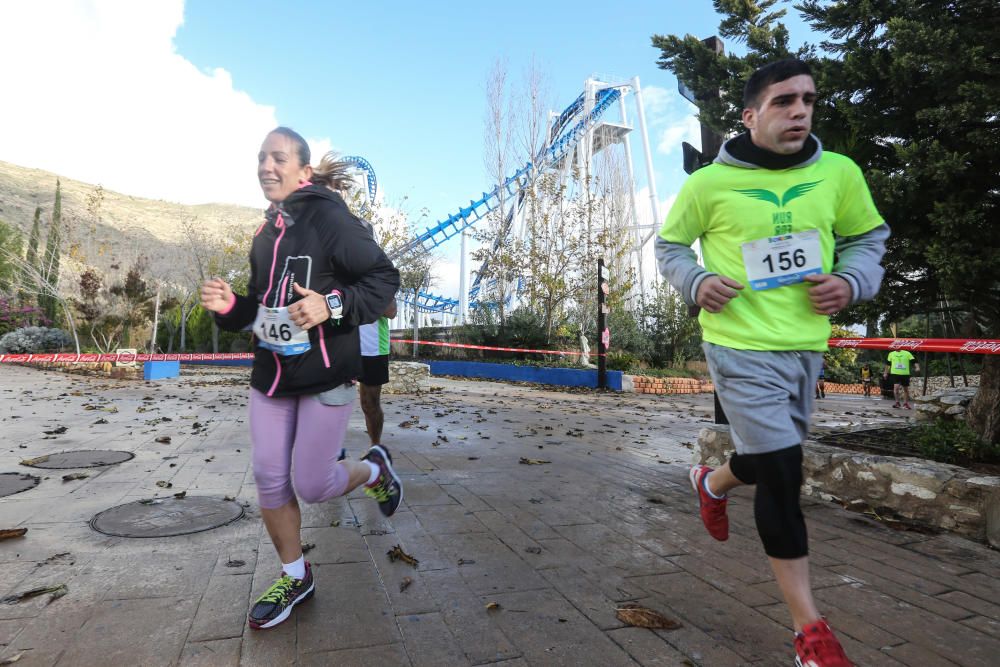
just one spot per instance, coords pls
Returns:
(778, 476)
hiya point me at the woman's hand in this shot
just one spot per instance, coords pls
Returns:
(216, 295)
(310, 310)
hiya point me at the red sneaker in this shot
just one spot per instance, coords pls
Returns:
(906, 406)
(816, 646)
(713, 510)
(896, 404)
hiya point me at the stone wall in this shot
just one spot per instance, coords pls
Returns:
(949, 404)
(934, 494)
(407, 377)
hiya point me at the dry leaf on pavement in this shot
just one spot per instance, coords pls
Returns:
(55, 591)
(405, 583)
(397, 553)
(9, 533)
(532, 462)
(641, 617)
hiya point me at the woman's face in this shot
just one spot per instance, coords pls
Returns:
(278, 168)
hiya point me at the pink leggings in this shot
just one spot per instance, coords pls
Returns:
(297, 434)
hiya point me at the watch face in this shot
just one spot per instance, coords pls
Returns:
(333, 300)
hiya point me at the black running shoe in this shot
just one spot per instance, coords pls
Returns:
(275, 605)
(387, 488)
(343, 454)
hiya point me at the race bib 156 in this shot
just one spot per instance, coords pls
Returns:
(777, 261)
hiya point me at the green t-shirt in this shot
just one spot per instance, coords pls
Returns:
(899, 362)
(726, 207)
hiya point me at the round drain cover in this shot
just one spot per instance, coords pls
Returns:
(84, 458)
(16, 482)
(166, 517)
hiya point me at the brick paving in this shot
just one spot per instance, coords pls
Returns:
(557, 546)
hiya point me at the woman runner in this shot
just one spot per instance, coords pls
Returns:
(315, 275)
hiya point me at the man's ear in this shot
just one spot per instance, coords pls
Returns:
(750, 118)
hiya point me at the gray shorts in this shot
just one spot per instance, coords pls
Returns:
(767, 396)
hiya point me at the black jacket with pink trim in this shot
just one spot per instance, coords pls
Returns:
(314, 240)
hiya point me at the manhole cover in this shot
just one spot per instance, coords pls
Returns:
(16, 482)
(84, 458)
(166, 517)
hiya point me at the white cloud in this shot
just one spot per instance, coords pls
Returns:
(688, 129)
(97, 92)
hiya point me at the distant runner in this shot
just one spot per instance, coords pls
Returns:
(897, 367)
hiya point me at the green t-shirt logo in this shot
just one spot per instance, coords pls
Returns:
(791, 193)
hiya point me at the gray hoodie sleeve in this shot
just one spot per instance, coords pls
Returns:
(859, 262)
(678, 263)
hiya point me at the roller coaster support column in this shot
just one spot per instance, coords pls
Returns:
(463, 287)
(635, 205)
(650, 176)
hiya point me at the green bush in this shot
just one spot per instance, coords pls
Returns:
(620, 360)
(953, 441)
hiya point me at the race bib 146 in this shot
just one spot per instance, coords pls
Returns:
(275, 331)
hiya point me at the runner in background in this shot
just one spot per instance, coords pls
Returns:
(897, 367)
(866, 379)
(821, 381)
(375, 371)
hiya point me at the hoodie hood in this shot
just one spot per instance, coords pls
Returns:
(741, 152)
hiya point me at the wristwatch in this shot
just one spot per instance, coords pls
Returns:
(335, 303)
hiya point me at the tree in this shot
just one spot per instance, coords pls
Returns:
(135, 296)
(32, 253)
(909, 89)
(667, 326)
(10, 243)
(50, 263)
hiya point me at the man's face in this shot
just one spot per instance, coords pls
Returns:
(783, 117)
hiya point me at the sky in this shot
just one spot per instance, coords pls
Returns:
(170, 99)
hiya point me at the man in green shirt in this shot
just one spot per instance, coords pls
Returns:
(897, 366)
(790, 235)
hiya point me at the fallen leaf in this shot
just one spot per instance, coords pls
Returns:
(492, 606)
(532, 462)
(641, 617)
(55, 591)
(229, 498)
(533, 550)
(235, 563)
(75, 475)
(12, 659)
(397, 553)
(164, 485)
(657, 500)
(405, 583)
(307, 547)
(180, 496)
(466, 561)
(163, 440)
(10, 533)
(35, 461)
(56, 431)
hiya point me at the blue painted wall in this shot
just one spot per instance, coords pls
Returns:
(158, 370)
(563, 377)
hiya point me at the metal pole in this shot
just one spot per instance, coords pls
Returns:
(416, 320)
(463, 286)
(602, 350)
(650, 176)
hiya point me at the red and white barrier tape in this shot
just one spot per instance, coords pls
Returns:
(956, 345)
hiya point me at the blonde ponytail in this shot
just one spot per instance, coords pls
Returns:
(333, 173)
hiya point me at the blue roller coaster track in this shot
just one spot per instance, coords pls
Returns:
(370, 179)
(563, 139)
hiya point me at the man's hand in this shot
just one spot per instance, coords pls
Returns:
(216, 295)
(310, 310)
(715, 292)
(829, 293)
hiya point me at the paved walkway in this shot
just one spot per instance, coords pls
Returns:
(557, 546)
